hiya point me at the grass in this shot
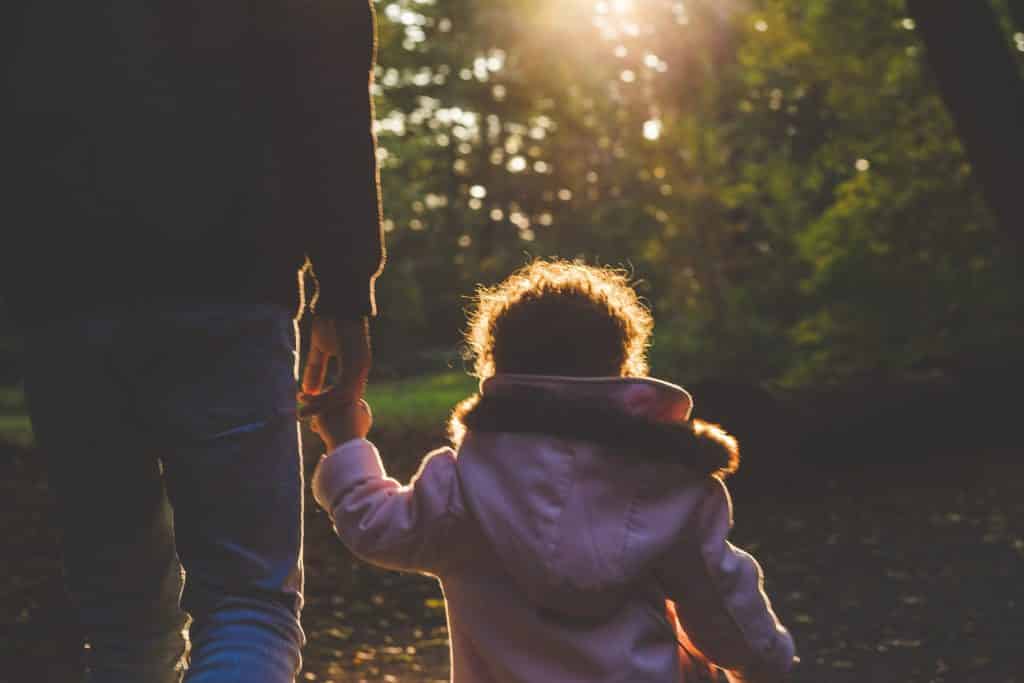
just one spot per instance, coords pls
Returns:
(15, 427)
(418, 403)
(12, 400)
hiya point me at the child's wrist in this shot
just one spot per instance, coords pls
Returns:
(353, 422)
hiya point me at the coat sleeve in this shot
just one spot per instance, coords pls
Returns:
(331, 173)
(379, 520)
(719, 596)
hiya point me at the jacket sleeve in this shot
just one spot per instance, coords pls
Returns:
(383, 522)
(719, 596)
(330, 151)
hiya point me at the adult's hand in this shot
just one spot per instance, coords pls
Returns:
(349, 342)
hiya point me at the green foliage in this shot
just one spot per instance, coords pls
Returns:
(906, 269)
(781, 177)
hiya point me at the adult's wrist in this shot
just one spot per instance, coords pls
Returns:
(346, 299)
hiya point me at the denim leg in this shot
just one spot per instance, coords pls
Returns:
(211, 393)
(120, 564)
(234, 476)
(239, 536)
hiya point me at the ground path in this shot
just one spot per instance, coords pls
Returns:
(892, 574)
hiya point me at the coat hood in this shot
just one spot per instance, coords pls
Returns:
(578, 483)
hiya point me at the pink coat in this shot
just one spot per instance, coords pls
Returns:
(573, 509)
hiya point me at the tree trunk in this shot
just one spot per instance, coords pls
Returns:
(1017, 14)
(981, 85)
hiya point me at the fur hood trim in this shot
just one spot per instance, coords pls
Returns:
(585, 412)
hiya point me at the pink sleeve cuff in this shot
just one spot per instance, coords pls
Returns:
(351, 462)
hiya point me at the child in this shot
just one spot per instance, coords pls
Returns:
(581, 510)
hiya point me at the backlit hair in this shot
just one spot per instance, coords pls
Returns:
(560, 318)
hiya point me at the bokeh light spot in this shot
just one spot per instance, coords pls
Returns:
(652, 129)
(516, 164)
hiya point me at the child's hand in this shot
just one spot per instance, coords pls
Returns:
(336, 420)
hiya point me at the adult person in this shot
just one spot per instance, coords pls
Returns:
(170, 166)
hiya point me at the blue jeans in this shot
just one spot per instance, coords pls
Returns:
(174, 455)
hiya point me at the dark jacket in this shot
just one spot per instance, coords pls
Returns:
(181, 151)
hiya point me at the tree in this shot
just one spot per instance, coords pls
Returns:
(982, 86)
(784, 179)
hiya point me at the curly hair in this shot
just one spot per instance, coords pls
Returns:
(555, 318)
(560, 318)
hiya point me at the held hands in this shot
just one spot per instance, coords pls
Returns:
(336, 421)
(348, 341)
(337, 413)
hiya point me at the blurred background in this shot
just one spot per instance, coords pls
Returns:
(812, 201)
(783, 178)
